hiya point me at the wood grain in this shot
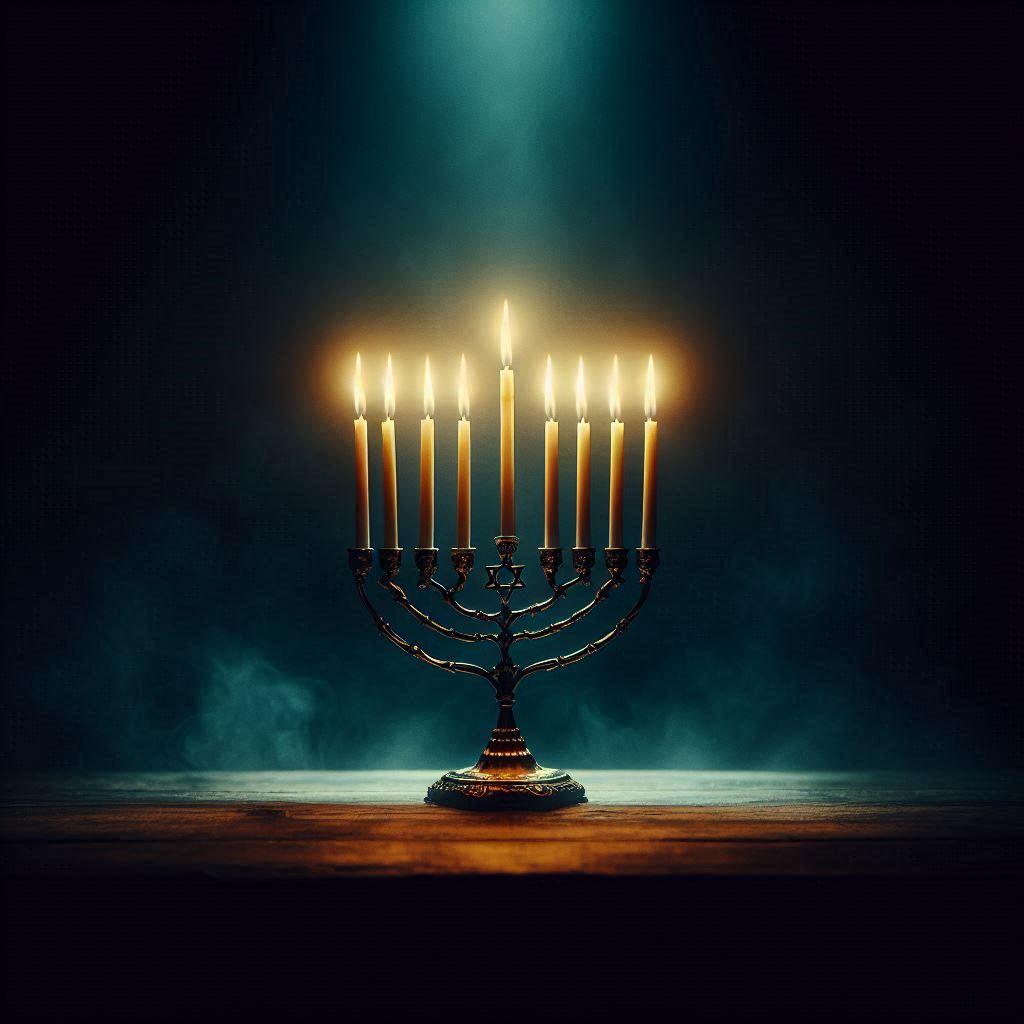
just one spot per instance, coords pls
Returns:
(289, 840)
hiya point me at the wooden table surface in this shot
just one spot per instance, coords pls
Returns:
(340, 895)
(266, 825)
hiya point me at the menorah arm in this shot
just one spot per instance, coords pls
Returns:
(448, 595)
(453, 634)
(385, 629)
(561, 660)
(558, 590)
(538, 634)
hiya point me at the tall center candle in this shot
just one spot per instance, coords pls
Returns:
(615, 480)
(649, 529)
(390, 474)
(362, 481)
(462, 491)
(582, 464)
(550, 463)
(426, 534)
(508, 431)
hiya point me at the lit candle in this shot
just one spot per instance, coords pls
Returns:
(508, 431)
(462, 487)
(582, 464)
(387, 430)
(617, 448)
(362, 463)
(550, 463)
(427, 461)
(649, 530)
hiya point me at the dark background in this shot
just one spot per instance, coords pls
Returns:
(809, 214)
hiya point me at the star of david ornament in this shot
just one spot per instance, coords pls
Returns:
(494, 581)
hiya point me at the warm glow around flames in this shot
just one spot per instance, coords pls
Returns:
(581, 393)
(428, 390)
(463, 390)
(614, 392)
(549, 392)
(506, 337)
(650, 405)
(389, 391)
(357, 387)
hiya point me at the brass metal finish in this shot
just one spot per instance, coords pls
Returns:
(647, 560)
(582, 562)
(616, 560)
(390, 561)
(360, 561)
(462, 563)
(506, 776)
(550, 562)
(426, 562)
(506, 544)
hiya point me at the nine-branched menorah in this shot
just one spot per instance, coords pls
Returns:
(507, 776)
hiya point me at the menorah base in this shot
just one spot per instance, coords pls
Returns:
(470, 789)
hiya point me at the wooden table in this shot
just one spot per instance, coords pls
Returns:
(324, 824)
(285, 896)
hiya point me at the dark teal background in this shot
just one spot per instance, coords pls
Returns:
(810, 215)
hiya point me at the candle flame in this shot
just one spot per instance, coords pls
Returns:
(650, 405)
(357, 387)
(463, 390)
(549, 392)
(428, 390)
(614, 396)
(389, 391)
(506, 338)
(581, 393)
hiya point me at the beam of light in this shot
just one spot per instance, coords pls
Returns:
(581, 393)
(357, 387)
(463, 390)
(506, 338)
(389, 391)
(614, 391)
(650, 405)
(428, 390)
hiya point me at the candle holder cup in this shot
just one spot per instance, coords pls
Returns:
(506, 776)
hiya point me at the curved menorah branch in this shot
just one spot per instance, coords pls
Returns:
(361, 561)
(561, 660)
(505, 675)
(558, 591)
(400, 597)
(448, 596)
(555, 627)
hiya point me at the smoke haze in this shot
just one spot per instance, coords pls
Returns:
(210, 211)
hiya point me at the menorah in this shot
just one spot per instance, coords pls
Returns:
(507, 776)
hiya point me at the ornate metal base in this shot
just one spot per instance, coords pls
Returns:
(545, 789)
(506, 778)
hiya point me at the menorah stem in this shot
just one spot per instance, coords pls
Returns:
(506, 751)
